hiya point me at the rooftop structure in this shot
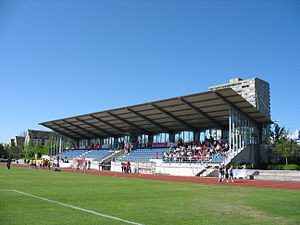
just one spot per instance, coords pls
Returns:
(254, 90)
(194, 112)
(240, 123)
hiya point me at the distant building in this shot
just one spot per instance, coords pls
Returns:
(38, 137)
(57, 141)
(254, 90)
(12, 142)
(19, 141)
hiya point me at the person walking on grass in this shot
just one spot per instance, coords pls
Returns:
(8, 163)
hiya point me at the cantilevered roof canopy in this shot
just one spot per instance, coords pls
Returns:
(191, 112)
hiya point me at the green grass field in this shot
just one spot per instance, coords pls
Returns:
(136, 200)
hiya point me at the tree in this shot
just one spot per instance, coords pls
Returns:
(29, 150)
(286, 148)
(68, 143)
(47, 147)
(3, 152)
(277, 132)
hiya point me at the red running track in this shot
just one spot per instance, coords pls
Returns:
(202, 180)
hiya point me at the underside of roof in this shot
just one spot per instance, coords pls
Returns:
(191, 112)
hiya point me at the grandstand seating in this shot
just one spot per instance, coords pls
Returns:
(84, 153)
(143, 154)
(96, 154)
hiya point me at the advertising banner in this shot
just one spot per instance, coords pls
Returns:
(237, 173)
(159, 145)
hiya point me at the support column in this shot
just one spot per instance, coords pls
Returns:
(116, 146)
(196, 135)
(88, 141)
(133, 139)
(172, 137)
(150, 141)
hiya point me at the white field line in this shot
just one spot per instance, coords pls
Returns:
(75, 207)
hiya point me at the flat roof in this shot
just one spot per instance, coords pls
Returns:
(191, 112)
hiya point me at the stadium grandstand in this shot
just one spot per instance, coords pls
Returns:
(177, 136)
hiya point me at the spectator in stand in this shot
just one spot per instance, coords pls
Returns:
(156, 155)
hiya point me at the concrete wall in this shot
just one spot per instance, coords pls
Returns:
(275, 175)
(257, 155)
(175, 169)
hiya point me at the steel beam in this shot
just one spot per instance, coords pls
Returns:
(61, 132)
(78, 134)
(150, 121)
(109, 124)
(173, 117)
(217, 123)
(83, 129)
(95, 127)
(129, 123)
(233, 106)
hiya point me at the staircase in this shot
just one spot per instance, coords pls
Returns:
(116, 154)
(249, 154)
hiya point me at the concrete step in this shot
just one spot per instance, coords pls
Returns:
(276, 178)
(289, 173)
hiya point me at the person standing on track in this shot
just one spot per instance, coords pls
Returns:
(128, 167)
(230, 171)
(221, 173)
(226, 172)
(8, 163)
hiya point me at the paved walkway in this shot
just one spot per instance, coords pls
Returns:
(203, 180)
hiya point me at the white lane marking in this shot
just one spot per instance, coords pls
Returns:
(75, 207)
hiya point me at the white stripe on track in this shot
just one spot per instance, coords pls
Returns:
(75, 207)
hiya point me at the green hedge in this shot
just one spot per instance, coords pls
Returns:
(284, 167)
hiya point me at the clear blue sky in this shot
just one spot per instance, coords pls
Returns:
(65, 58)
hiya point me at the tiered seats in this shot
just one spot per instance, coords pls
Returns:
(84, 153)
(70, 154)
(143, 154)
(96, 154)
(147, 154)
(217, 159)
